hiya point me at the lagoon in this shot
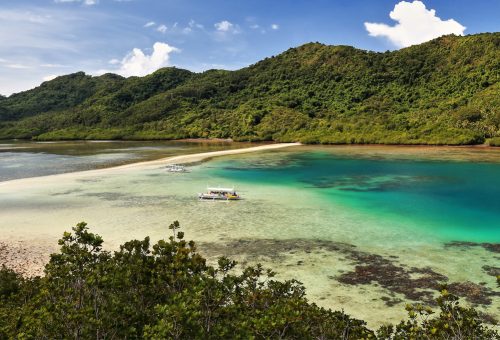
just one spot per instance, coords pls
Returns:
(365, 228)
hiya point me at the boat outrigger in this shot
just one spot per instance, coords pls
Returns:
(224, 194)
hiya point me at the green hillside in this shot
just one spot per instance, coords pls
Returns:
(445, 91)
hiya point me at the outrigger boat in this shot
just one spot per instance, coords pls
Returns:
(176, 168)
(224, 194)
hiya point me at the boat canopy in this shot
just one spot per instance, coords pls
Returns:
(221, 189)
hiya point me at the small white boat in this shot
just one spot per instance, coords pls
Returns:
(223, 194)
(176, 168)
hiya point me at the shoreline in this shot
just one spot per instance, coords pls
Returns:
(204, 156)
(30, 260)
(180, 159)
(120, 213)
(265, 142)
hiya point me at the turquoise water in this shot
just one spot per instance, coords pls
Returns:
(450, 200)
(310, 213)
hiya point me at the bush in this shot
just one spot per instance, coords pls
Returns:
(494, 141)
(168, 291)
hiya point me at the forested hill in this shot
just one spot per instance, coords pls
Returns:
(445, 91)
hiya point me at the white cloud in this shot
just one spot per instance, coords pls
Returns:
(162, 29)
(225, 31)
(46, 39)
(415, 24)
(114, 61)
(194, 24)
(85, 2)
(149, 24)
(27, 17)
(136, 63)
(254, 26)
(17, 66)
(224, 26)
(50, 65)
(275, 26)
(50, 77)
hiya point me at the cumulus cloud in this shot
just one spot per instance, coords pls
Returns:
(136, 63)
(415, 24)
(225, 31)
(162, 29)
(275, 26)
(224, 26)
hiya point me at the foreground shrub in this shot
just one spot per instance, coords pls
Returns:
(495, 141)
(168, 291)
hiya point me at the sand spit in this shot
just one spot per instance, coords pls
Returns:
(182, 159)
(28, 257)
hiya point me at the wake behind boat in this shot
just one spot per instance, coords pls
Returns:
(223, 194)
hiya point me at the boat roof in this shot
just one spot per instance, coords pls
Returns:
(220, 189)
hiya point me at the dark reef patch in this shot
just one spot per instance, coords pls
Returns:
(492, 271)
(391, 301)
(492, 247)
(89, 180)
(276, 250)
(67, 192)
(416, 284)
(362, 183)
(488, 318)
(472, 292)
(126, 200)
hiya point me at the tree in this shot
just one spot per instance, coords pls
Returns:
(168, 291)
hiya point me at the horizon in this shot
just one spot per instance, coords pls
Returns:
(138, 37)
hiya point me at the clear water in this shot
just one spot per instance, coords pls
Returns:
(448, 200)
(22, 159)
(403, 204)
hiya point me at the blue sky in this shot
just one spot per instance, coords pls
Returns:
(40, 39)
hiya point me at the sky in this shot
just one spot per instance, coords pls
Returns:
(42, 39)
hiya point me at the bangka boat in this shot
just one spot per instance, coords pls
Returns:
(224, 194)
(176, 168)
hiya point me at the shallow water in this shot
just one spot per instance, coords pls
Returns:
(311, 213)
(455, 200)
(22, 159)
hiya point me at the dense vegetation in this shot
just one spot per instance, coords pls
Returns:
(445, 91)
(168, 291)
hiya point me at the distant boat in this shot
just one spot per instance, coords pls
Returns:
(223, 194)
(176, 168)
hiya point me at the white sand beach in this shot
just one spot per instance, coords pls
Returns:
(182, 159)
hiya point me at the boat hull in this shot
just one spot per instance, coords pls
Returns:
(207, 197)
